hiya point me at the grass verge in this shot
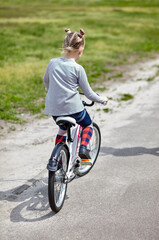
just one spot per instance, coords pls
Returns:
(32, 33)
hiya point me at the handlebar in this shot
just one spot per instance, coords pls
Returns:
(87, 104)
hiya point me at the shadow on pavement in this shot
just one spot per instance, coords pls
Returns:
(34, 205)
(134, 151)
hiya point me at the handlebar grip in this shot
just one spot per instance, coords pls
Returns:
(88, 104)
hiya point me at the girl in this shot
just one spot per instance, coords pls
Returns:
(62, 78)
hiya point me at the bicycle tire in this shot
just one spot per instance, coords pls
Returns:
(93, 152)
(57, 196)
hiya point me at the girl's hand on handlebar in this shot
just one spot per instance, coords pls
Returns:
(106, 100)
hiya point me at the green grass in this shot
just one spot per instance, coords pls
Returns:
(119, 75)
(88, 3)
(126, 97)
(32, 32)
(106, 110)
(150, 79)
(101, 89)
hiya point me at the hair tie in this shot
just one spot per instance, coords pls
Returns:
(68, 31)
(81, 33)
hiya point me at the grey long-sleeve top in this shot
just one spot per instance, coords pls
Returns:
(62, 78)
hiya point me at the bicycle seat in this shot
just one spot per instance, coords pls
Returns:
(67, 121)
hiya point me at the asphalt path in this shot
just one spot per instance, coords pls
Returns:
(117, 200)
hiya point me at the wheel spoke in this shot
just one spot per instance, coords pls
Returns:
(60, 190)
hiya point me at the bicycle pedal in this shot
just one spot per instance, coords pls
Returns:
(86, 162)
(77, 163)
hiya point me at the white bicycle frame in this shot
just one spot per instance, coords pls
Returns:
(73, 149)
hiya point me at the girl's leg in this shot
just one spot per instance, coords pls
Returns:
(61, 135)
(85, 139)
(86, 135)
(85, 121)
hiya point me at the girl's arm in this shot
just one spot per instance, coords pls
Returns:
(87, 90)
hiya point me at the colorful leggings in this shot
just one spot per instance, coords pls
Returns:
(84, 120)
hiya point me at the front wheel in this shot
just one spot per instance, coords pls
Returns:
(93, 147)
(56, 185)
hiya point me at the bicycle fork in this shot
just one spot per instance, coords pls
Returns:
(74, 159)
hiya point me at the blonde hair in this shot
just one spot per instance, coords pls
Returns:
(74, 40)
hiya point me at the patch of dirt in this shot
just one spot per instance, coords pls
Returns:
(8, 127)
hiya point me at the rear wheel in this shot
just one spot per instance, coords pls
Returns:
(93, 147)
(56, 185)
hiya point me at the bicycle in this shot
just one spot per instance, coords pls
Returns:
(68, 164)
